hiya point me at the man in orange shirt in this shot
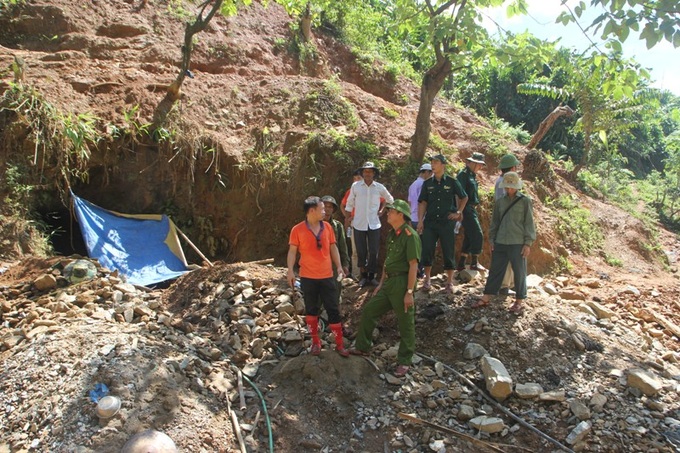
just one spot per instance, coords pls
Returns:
(315, 240)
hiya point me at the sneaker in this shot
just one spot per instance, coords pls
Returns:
(316, 349)
(374, 282)
(342, 351)
(477, 267)
(460, 268)
(359, 352)
(506, 292)
(401, 371)
(363, 282)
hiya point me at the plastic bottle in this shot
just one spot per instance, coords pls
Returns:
(349, 232)
(456, 229)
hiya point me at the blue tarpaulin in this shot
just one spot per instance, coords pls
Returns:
(143, 248)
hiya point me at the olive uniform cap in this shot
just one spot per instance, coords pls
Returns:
(508, 161)
(331, 200)
(401, 206)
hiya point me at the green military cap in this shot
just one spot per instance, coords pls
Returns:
(401, 206)
(329, 199)
(508, 161)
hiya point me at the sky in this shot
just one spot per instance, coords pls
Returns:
(663, 61)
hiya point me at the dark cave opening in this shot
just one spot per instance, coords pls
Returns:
(65, 235)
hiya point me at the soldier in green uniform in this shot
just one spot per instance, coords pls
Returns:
(331, 206)
(472, 243)
(440, 205)
(395, 290)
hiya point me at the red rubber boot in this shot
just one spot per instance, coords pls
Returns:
(313, 326)
(339, 343)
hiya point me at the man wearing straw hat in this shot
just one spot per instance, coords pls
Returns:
(362, 211)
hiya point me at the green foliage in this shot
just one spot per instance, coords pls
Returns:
(326, 107)
(659, 20)
(7, 4)
(494, 142)
(440, 146)
(575, 226)
(390, 113)
(61, 140)
(613, 261)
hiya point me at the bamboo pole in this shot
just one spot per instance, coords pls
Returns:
(184, 236)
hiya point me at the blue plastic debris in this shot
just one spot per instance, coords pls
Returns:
(100, 391)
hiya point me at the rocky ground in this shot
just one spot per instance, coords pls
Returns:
(591, 365)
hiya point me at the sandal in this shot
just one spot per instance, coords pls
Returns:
(316, 349)
(401, 371)
(479, 303)
(448, 289)
(427, 285)
(516, 309)
(358, 352)
(343, 352)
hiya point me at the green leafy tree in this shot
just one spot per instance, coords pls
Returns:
(452, 38)
(654, 20)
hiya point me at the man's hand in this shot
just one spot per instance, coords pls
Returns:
(408, 302)
(525, 251)
(345, 270)
(419, 230)
(291, 278)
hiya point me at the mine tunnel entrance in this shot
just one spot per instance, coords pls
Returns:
(64, 231)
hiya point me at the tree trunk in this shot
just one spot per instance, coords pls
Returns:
(306, 24)
(432, 82)
(197, 26)
(547, 123)
(174, 89)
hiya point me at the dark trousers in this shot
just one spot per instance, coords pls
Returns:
(472, 242)
(441, 230)
(321, 291)
(501, 256)
(368, 245)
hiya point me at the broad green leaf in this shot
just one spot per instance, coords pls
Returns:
(603, 137)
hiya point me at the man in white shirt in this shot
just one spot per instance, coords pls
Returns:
(365, 200)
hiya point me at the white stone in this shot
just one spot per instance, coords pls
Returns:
(554, 395)
(645, 381)
(498, 380)
(533, 281)
(579, 433)
(528, 390)
(601, 311)
(488, 424)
